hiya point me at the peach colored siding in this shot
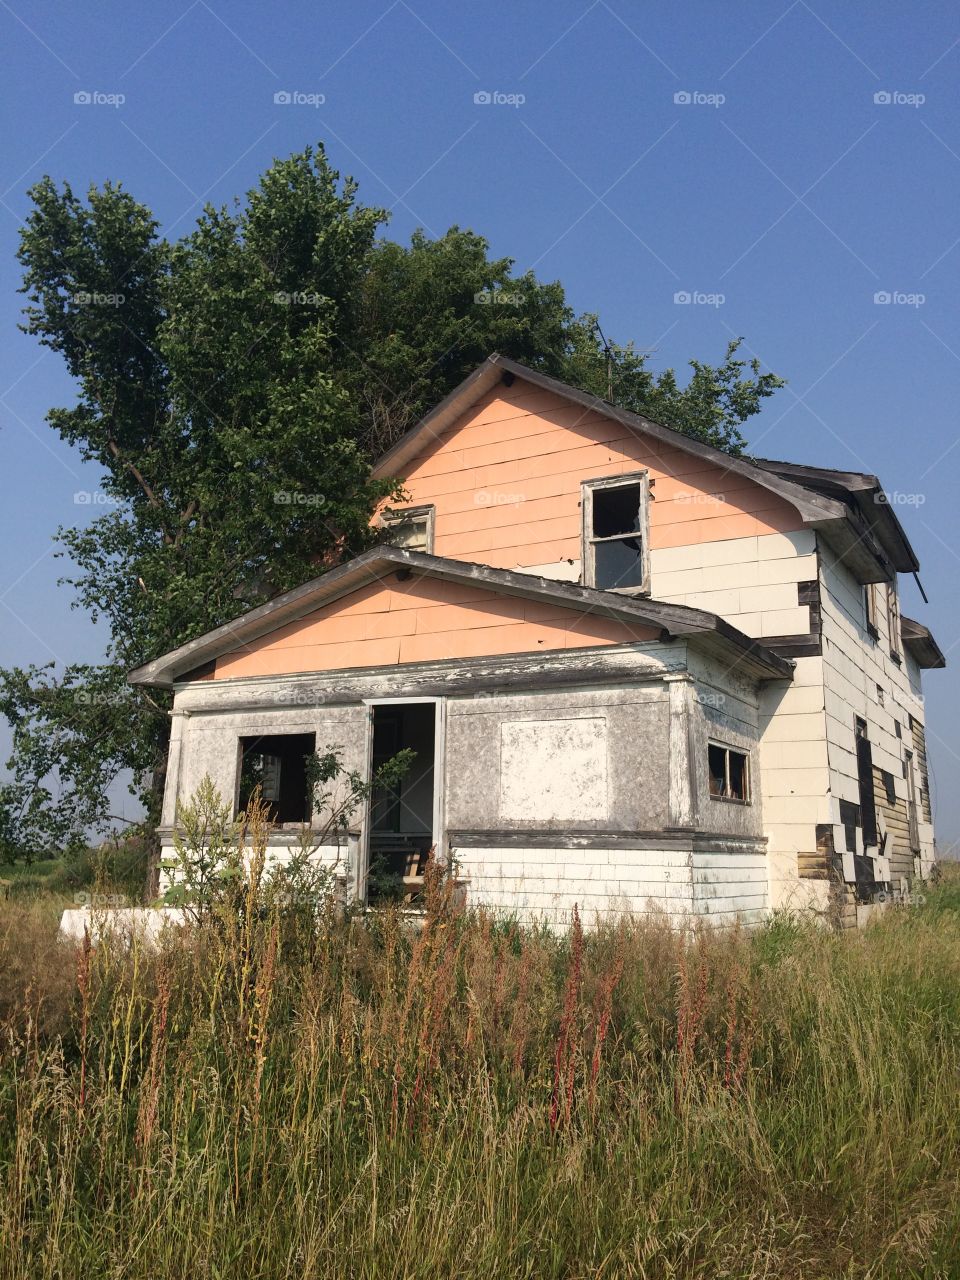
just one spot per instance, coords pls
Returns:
(505, 481)
(421, 620)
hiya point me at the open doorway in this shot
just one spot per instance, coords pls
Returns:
(401, 823)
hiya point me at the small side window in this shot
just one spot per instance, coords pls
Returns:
(277, 764)
(408, 527)
(729, 773)
(615, 533)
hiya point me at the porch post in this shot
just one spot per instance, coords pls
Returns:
(682, 790)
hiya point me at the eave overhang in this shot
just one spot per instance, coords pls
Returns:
(920, 644)
(864, 495)
(670, 621)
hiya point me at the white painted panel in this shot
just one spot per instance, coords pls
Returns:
(553, 770)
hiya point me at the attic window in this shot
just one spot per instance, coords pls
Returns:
(277, 763)
(728, 774)
(615, 533)
(410, 528)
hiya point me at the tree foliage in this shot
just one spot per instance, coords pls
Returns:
(232, 387)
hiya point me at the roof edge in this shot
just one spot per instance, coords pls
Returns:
(813, 507)
(671, 620)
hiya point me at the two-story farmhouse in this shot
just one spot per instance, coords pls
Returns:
(636, 672)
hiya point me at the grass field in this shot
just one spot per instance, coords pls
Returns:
(474, 1100)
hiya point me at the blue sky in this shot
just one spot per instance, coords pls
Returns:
(782, 163)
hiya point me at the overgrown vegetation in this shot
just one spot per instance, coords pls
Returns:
(470, 1098)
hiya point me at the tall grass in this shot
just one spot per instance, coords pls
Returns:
(473, 1099)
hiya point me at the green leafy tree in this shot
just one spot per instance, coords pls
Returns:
(233, 386)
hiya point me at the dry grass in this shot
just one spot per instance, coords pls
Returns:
(477, 1100)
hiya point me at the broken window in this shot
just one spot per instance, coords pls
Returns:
(614, 533)
(728, 773)
(277, 764)
(409, 527)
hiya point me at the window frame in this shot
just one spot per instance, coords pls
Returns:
(893, 622)
(247, 741)
(424, 511)
(726, 748)
(588, 541)
(870, 610)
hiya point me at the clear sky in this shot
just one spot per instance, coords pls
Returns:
(786, 166)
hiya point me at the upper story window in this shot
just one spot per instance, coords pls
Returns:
(409, 527)
(615, 533)
(870, 609)
(893, 622)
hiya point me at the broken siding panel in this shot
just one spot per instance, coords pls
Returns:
(857, 668)
(895, 820)
(920, 757)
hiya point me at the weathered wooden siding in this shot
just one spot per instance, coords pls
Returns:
(505, 481)
(418, 620)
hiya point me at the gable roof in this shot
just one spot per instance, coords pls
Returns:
(671, 620)
(868, 537)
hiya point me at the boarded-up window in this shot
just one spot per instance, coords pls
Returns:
(893, 621)
(553, 770)
(870, 608)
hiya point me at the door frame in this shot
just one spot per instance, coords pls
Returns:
(361, 871)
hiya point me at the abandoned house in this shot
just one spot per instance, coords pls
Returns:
(636, 673)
